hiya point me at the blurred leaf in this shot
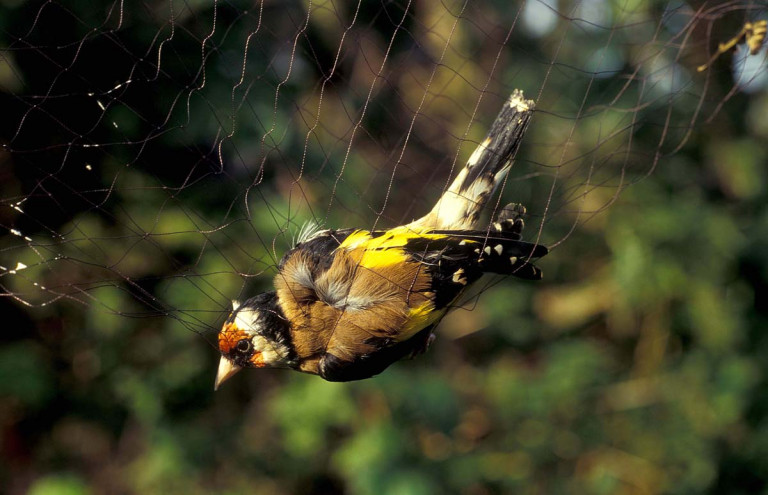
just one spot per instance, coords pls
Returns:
(26, 374)
(306, 408)
(59, 485)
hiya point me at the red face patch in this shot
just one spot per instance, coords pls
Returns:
(229, 336)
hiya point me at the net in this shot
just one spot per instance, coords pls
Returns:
(158, 158)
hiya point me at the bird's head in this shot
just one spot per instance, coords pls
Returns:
(254, 336)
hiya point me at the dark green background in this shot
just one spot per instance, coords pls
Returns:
(637, 366)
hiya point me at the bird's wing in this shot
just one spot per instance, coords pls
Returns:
(496, 252)
(366, 303)
(355, 307)
(382, 301)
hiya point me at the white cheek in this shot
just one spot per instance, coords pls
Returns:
(271, 352)
(247, 320)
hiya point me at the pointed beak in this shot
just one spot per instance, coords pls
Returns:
(226, 370)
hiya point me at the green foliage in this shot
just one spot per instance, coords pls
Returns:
(59, 485)
(638, 366)
(28, 378)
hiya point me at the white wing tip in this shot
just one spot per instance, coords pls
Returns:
(518, 102)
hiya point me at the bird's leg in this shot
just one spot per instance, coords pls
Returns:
(510, 220)
(423, 340)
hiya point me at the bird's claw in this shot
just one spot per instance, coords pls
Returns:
(425, 345)
(510, 220)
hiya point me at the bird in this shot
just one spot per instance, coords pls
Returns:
(350, 302)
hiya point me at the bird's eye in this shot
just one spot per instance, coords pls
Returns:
(243, 346)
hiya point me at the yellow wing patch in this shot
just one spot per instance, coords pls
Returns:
(420, 318)
(387, 248)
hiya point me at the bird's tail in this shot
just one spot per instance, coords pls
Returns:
(460, 206)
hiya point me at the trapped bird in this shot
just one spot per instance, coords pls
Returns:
(348, 303)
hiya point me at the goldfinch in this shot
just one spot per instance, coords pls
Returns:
(348, 303)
